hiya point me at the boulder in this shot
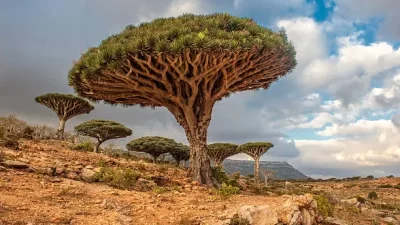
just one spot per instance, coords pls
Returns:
(391, 220)
(258, 215)
(14, 164)
(87, 174)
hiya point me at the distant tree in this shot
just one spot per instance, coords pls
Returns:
(256, 150)
(154, 145)
(220, 151)
(102, 130)
(12, 124)
(65, 106)
(181, 154)
(28, 132)
(268, 174)
(185, 64)
(370, 177)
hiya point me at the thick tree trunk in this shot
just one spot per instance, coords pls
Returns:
(61, 128)
(256, 169)
(199, 168)
(154, 159)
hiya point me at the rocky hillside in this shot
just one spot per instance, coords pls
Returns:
(282, 170)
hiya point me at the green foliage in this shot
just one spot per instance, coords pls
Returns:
(216, 32)
(121, 178)
(181, 154)
(228, 190)
(220, 151)
(155, 145)
(324, 207)
(220, 176)
(103, 130)
(372, 195)
(86, 146)
(159, 190)
(255, 149)
(236, 220)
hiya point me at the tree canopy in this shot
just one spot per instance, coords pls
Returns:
(102, 130)
(185, 64)
(155, 146)
(255, 149)
(220, 151)
(65, 106)
(181, 154)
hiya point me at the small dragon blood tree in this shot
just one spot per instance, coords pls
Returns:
(65, 106)
(102, 130)
(220, 151)
(256, 150)
(185, 64)
(155, 146)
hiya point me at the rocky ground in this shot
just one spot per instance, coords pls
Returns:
(48, 183)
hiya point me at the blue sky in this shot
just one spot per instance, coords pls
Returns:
(335, 115)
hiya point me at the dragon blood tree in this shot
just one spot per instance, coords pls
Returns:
(181, 154)
(65, 106)
(102, 130)
(155, 146)
(185, 64)
(220, 151)
(256, 150)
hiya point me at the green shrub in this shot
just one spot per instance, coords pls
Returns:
(373, 195)
(324, 207)
(159, 190)
(370, 177)
(236, 220)
(228, 190)
(390, 176)
(85, 146)
(220, 176)
(10, 143)
(122, 178)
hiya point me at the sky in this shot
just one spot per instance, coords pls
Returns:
(335, 115)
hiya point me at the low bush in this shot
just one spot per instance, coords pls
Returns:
(86, 146)
(27, 133)
(220, 176)
(324, 207)
(373, 195)
(159, 190)
(228, 190)
(121, 178)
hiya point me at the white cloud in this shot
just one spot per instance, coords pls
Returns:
(358, 128)
(320, 120)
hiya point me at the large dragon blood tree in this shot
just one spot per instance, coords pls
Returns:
(65, 106)
(185, 64)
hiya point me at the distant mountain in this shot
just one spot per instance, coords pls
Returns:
(282, 170)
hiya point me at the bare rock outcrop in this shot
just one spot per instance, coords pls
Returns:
(296, 210)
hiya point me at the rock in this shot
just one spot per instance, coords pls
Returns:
(350, 202)
(334, 221)
(297, 218)
(90, 167)
(391, 220)
(14, 164)
(87, 174)
(195, 183)
(72, 175)
(307, 219)
(60, 170)
(258, 215)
